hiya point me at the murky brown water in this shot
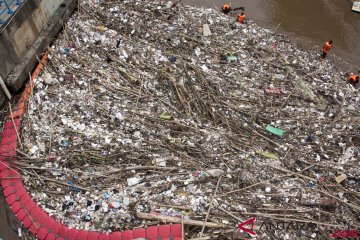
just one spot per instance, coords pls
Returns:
(307, 20)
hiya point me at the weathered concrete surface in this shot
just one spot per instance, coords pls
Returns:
(27, 35)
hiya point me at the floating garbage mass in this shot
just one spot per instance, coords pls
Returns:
(149, 111)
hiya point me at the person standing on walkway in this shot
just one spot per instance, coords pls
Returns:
(326, 48)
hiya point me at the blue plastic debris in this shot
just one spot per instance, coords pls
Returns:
(312, 184)
(72, 186)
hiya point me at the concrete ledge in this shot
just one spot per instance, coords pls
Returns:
(20, 73)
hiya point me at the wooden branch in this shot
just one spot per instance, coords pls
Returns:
(149, 216)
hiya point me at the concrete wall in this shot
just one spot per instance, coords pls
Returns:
(19, 39)
(18, 36)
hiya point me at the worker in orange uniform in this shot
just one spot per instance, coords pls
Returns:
(226, 8)
(353, 79)
(326, 49)
(241, 18)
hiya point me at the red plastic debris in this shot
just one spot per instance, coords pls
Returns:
(272, 90)
(164, 231)
(93, 236)
(127, 235)
(115, 236)
(82, 235)
(104, 236)
(72, 234)
(176, 230)
(140, 233)
(152, 232)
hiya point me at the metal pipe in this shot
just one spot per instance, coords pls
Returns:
(3, 86)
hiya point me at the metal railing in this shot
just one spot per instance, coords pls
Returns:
(7, 9)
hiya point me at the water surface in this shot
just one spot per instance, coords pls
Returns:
(314, 21)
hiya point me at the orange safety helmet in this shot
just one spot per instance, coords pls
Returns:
(226, 7)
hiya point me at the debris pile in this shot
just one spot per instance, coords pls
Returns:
(149, 111)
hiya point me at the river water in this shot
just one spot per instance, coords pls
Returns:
(309, 22)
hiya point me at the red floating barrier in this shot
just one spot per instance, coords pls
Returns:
(34, 228)
(72, 234)
(55, 227)
(176, 230)
(140, 233)
(35, 212)
(9, 190)
(152, 232)
(42, 233)
(164, 231)
(63, 231)
(50, 236)
(21, 214)
(11, 199)
(15, 207)
(10, 124)
(115, 236)
(127, 235)
(4, 165)
(93, 236)
(104, 236)
(82, 235)
(27, 222)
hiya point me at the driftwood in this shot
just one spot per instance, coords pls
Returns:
(150, 216)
